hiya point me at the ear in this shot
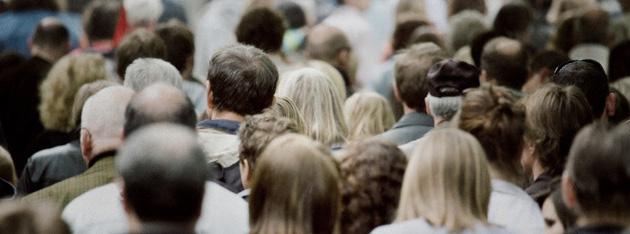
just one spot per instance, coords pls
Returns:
(568, 192)
(245, 172)
(86, 145)
(209, 98)
(343, 58)
(611, 104)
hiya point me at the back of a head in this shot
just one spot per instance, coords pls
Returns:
(372, 172)
(25, 5)
(505, 62)
(258, 131)
(99, 20)
(403, 31)
(592, 26)
(143, 13)
(325, 42)
(168, 156)
(457, 6)
(52, 36)
(290, 165)
(284, 107)
(554, 116)
(617, 64)
(159, 103)
(242, 79)
(589, 77)
(293, 14)
(104, 113)
(599, 170)
(144, 72)
(20, 217)
(367, 114)
(513, 20)
(448, 170)
(139, 44)
(547, 59)
(465, 26)
(497, 120)
(85, 92)
(411, 69)
(262, 28)
(318, 101)
(479, 42)
(180, 44)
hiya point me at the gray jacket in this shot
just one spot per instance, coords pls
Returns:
(410, 127)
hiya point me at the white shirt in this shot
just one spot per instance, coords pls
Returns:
(100, 211)
(513, 209)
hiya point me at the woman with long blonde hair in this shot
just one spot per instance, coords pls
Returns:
(367, 114)
(446, 187)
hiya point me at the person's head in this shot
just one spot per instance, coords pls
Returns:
(592, 26)
(156, 104)
(242, 80)
(446, 182)
(289, 166)
(554, 116)
(51, 40)
(411, 67)
(293, 14)
(426, 34)
(563, 9)
(362, 5)
(284, 107)
(60, 86)
(504, 63)
(496, 118)
(457, 6)
(255, 134)
(180, 46)
(139, 44)
(622, 107)
(144, 72)
(85, 92)
(402, 33)
(514, 20)
(143, 13)
(619, 55)
(367, 114)
(465, 26)
(541, 67)
(479, 43)
(163, 172)
(26, 5)
(447, 81)
(330, 45)
(372, 172)
(333, 74)
(558, 217)
(590, 78)
(23, 217)
(410, 10)
(595, 182)
(102, 121)
(99, 20)
(318, 101)
(262, 28)
(564, 38)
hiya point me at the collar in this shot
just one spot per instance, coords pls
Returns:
(413, 119)
(100, 156)
(227, 126)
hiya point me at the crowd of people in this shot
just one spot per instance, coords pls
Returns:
(315, 116)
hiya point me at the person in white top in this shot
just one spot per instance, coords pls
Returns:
(446, 187)
(496, 118)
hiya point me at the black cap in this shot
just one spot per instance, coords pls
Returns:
(449, 78)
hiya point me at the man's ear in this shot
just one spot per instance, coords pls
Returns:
(209, 98)
(343, 58)
(611, 104)
(86, 145)
(245, 172)
(568, 192)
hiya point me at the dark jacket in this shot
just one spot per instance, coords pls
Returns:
(410, 127)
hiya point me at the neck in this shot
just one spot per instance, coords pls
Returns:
(537, 169)
(227, 115)
(498, 174)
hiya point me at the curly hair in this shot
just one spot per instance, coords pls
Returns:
(59, 88)
(372, 172)
(258, 131)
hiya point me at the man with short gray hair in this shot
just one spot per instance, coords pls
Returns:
(102, 122)
(144, 72)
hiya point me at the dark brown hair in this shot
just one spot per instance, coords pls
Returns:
(372, 172)
(100, 18)
(180, 44)
(456, 6)
(496, 118)
(262, 28)
(139, 44)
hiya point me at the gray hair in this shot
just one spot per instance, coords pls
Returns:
(144, 72)
(169, 156)
(103, 114)
(143, 12)
(444, 107)
(465, 26)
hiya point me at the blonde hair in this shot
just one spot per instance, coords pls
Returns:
(59, 88)
(332, 73)
(320, 105)
(295, 188)
(367, 114)
(285, 107)
(446, 182)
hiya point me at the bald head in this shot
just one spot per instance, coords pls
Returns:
(168, 156)
(325, 43)
(504, 62)
(102, 120)
(51, 39)
(159, 103)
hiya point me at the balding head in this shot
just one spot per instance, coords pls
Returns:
(504, 62)
(102, 120)
(51, 40)
(144, 72)
(159, 103)
(325, 43)
(168, 156)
